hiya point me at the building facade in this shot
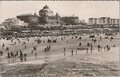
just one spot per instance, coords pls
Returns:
(47, 17)
(28, 18)
(2, 28)
(104, 21)
(73, 20)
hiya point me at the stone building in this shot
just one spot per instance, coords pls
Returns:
(104, 21)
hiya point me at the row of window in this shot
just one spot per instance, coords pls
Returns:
(104, 21)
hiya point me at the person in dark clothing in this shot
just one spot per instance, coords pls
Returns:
(16, 53)
(80, 38)
(98, 47)
(12, 54)
(104, 48)
(25, 57)
(87, 50)
(72, 52)
(19, 41)
(36, 55)
(107, 46)
(111, 39)
(23, 43)
(3, 45)
(100, 38)
(1, 53)
(34, 48)
(91, 49)
(21, 56)
(88, 44)
(64, 51)
(28, 39)
(95, 40)
(79, 44)
(7, 49)
(8, 55)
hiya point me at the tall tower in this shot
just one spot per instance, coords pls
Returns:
(57, 17)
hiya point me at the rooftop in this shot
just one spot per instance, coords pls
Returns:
(30, 14)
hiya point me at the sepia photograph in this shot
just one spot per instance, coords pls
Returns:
(59, 38)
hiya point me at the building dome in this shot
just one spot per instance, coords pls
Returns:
(45, 7)
(46, 11)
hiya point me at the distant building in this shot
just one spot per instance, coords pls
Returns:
(47, 17)
(2, 28)
(104, 21)
(14, 23)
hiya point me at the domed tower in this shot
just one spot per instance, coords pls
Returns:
(46, 11)
(45, 7)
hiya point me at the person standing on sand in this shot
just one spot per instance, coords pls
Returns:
(8, 55)
(7, 48)
(3, 45)
(36, 55)
(79, 44)
(104, 48)
(72, 52)
(98, 47)
(1, 53)
(25, 57)
(100, 38)
(111, 39)
(91, 48)
(64, 51)
(21, 56)
(87, 50)
(88, 44)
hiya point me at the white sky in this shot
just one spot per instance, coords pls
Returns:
(82, 9)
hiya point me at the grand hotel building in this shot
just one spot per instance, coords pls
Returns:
(46, 16)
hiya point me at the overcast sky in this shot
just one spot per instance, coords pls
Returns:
(82, 9)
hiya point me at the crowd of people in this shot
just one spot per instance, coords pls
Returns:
(19, 55)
